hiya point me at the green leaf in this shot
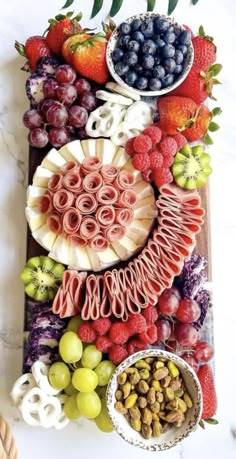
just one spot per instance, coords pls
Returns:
(215, 69)
(67, 4)
(78, 17)
(97, 6)
(171, 6)
(194, 2)
(59, 17)
(215, 81)
(115, 7)
(207, 139)
(216, 111)
(69, 14)
(211, 421)
(201, 31)
(151, 5)
(202, 74)
(213, 126)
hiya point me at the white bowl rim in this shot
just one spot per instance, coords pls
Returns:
(118, 79)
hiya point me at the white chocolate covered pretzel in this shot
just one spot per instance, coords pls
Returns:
(40, 372)
(139, 112)
(104, 121)
(125, 131)
(39, 409)
(114, 98)
(22, 385)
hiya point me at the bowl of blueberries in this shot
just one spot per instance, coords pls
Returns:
(150, 54)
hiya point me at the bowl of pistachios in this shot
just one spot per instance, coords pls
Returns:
(154, 400)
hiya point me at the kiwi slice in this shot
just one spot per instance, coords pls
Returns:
(191, 167)
(41, 277)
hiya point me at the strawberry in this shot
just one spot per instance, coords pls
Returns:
(206, 378)
(200, 124)
(88, 56)
(174, 112)
(108, 28)
(195, 86)
(60, 29)
(204, 50)
(35, 47)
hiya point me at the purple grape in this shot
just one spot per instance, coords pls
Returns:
(67, 93)
(78, 116)
(82, 85)
(65, 74)
(82, 134)
(88, 101)
(57, 115)
(45, 104)
(59, 136)
(38, 138)
(32, 119)
(49, 88)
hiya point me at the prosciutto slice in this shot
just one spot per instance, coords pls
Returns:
(55, 182)
(124, 180)
(70, 295)
(63, 200)
(89, 228)
(105, 215)
(45, 203)
(109, 173)
(71, 221)
(124, 216)
(54, 222)
(86, 203)
(72, 181)
(92, 182)
(107, 195)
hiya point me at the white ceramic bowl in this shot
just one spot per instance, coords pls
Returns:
(112, 45)
(174, 435)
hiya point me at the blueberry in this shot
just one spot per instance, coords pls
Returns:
(138, 68)
(149, 47)
(160, 25)
(138, 36)
(159, 42)
(178, 57)
(147, 74)
(183, 49)
(171, 28)
(133, 46)
(154, 84)
(124, 28)
(130, 77)
(157, 60)
(169, 37)
(147, 61)
(117, 54)
(135, 24)
(130, 58)
(178, 69)
(184, 37)
(124, 40)
(167, 80)
(121, 68)
(168, 51)
(169, 65)
(147, 28)
(141, 83)
(158, 71)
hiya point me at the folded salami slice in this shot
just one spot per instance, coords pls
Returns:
(128, 198)
(71, 221)
(63, 200)
(86, 203)
(89, 228)
(109, 173)
(92, 303)
(69, 166)
(124, 216)
(45, 203)
(54, 222)
(107, 195)
(69, 298)
(98, 243)
(105, 216)
(124, 180)
(114, 232)
(55, 182)
(72, 181)
(91, 164)
(92, 182)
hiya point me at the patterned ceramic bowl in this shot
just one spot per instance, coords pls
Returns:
(112, 45)
(172, 436)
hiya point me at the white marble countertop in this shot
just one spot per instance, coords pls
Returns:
(19, 20)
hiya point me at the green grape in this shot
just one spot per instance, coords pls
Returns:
(91, 357)
(70, 389)
(74, 323)
(70, 347)
(59, 375)
(101, 391)
(104, 371)
(84, 379)
(103, 421)
(71, 409)
(89, 404)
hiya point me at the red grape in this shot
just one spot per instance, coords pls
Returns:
(82, 85)
(168, 302)
(203, 351)
(163, 329)
(66, 93)
(49, 88)
(57, 115)
(38, 138)
(45, 104)
(65, 74)
(191, 361)
(88, 100)
(78, 116)
(188, 311)
(82, 134)
(32, 119)
(186, 334)
(59, 136)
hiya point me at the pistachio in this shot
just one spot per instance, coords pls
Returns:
(174, 371)
(120, 408)
(155, 417)
(180, 419)
(160, 373)
(119, 394)
(150, 360)
(126, 388)
(134, 412)
(130, 370)
(188, 400)
(158, 364)
(156, 385)
(172, 416)
(136, 424)
(162, 415)
(175, 384)
(156, 428)
(146, 431)
(179, 392)
(121, 378)
(141, 364)
(166, 381)
(181, 404)
(151, 395)
(165, 426)
(142, 387)
(142, 402)
(169, 394)
(159, 397)
(155, 407)
(173, 405)
(135, 377)
(131, 400)
(144, 374)
(146, 416)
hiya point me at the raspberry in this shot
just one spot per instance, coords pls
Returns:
(180, 140)
(150, 314)
(154, 133)
(135, 345)
(119, 333)
(141, 161)
(156, 159)
(168, 146)
(142, 143)
(150, 335)
(136, 323)
(162, 176)
(86, 333)
(103, 343)
(101, 325)
(117, 354)
(129, 147)
(147, 175)
(168, 160)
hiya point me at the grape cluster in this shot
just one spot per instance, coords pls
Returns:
(62, 113)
